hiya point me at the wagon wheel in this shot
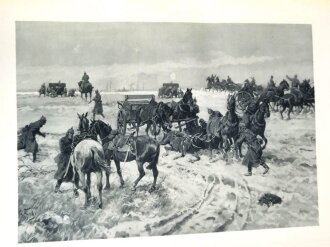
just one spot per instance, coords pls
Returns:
(243, 99)
(121, 122)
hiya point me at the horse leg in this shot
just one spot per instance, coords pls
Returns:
(265, 140)
(155, 174)
(107, 177)
(76, 183)
(99, 186)
(166, 151)
(141, 173)
(83, 183)
(281, 111)
(88, 186)
(119, 173)
(290, 110)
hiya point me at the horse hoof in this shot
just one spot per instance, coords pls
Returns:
(152, 189)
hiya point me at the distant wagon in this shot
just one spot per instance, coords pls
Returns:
(170, 90)
(56, 89)
(128, 110)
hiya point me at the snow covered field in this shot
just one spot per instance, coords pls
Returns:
(190, 197)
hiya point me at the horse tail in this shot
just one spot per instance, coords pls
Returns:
(99, 159)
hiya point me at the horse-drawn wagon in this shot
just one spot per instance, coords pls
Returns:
(128, 110)
(55, 89)
(170, 90)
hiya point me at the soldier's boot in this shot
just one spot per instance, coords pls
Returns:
(248, 174)
(249, 170)
(264, 165)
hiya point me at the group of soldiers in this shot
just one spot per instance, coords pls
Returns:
(27, 135)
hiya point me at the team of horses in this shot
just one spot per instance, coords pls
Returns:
(221, 132)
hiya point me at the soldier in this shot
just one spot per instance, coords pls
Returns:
(254, 152)
(27, 139)
(271, 84)
(98, 108)
(63, 161)
(229, 80)
(295, 85)
(85, 77)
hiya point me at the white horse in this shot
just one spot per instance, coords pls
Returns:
(88, 157)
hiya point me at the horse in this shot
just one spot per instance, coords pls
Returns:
(229, 124)
(272, 96)
(71, 92)
(308, 93)
(85, 88)
(88, 156)
(183, 143)
(186, 108)
(122, 148)
(256, 122)
(87, 131)
(153, 115)
(42, 90)
(289, 101)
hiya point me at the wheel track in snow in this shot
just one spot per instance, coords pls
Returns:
(199, 217)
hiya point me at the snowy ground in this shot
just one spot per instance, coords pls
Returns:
(190, 197)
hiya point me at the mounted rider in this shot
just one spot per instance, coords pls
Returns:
(271, 84)
(254, 153)
(27, 138)
(295, 86)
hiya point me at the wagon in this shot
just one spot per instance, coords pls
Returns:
(128, 108)
(55, 89)
(170, 90)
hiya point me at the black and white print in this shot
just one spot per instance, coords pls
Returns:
(149, 129)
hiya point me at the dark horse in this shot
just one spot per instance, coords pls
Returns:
(85, 88)
(122, 148)
(289, 101)
(273, 95)
(229, 124)
(154, 115)
(185, 109)
(225, 128)
(257, 124)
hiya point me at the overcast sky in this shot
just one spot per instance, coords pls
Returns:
(128, 52)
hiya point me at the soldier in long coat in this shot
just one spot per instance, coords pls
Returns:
(62, 160)
(27, 139)
(254, 154)
(98, 108)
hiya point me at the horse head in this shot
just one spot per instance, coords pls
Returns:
(187, 97)
(83, 122)
(284, 84)
(264, 109)
(231, 102)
